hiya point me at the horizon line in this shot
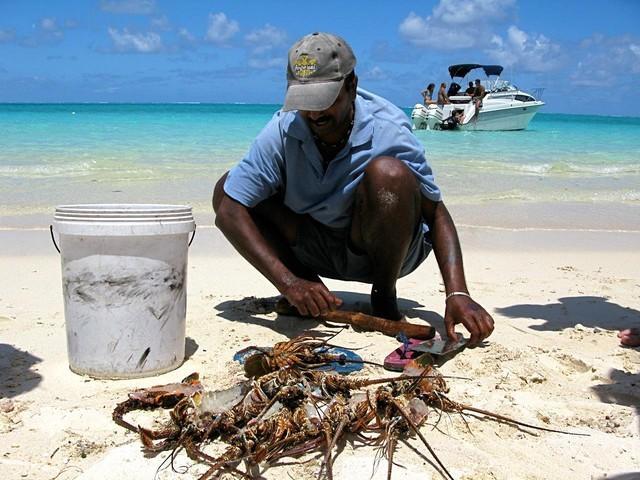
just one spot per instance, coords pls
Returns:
(257, 103)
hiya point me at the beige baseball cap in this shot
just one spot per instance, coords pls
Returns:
(318, 65)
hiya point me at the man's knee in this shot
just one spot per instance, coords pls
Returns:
(390, 172)
(218, 192)
(388, 188)
(388, 183)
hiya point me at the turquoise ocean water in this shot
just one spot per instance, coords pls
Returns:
(173, 153)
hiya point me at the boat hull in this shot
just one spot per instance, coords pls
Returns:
(493, 115)
(515, 117)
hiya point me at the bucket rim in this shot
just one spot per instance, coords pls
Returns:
(122, 208)
(122, 219)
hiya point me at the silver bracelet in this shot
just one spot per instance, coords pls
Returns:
(464, 294)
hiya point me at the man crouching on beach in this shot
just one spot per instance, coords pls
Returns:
(336, 185)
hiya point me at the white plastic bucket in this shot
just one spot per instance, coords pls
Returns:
(124, 278)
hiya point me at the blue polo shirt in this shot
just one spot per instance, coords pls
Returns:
(284, 158)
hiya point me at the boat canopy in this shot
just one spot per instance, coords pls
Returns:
(464, 68)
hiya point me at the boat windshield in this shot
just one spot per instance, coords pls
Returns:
(503, 86)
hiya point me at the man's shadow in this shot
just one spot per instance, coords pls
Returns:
(247, 310)
(567, 312)
(16, 374)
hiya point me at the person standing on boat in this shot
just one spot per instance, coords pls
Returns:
(427, 94)
(478, 94)
(336, 185)
(442, 94)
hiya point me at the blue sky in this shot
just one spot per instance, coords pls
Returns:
(585, 54)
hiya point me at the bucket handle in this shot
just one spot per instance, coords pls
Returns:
(53, 238)
(193, 235)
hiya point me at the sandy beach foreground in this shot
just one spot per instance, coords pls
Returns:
(558, 299)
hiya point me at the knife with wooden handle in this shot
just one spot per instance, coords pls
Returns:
(364, 322)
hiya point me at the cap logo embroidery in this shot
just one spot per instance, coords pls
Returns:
(305, 66)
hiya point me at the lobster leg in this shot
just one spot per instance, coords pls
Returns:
(424, 440)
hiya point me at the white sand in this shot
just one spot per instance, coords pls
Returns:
(558, 299)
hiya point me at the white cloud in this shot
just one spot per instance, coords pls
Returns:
(6, 35)
(601, 58)
(126, 41)
(423, 32)
(268, 47)
(49, 30)
(465, 24)
(456, 24)
(375, 74)
(161, 23)
(186, 35)
(221, 29)
(48, 24)
(266, 38)
(528, 52)
(46, 31)
(464, 12)
(133, 7)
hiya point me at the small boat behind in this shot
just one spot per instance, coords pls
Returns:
(504, 107)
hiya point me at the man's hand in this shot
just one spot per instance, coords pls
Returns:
(311, 298)
(462, 309)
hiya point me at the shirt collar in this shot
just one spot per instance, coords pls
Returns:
(362, 132)
(363, 123)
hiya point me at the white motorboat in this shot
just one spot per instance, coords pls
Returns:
(504, 107)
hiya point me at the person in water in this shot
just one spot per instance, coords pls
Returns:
(337, 186)
(452, 122)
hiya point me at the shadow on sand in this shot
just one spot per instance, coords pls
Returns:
(569, 311)
(624, 389)
(16, 374)
(190, 347)
(590, 312)
(622, 476)
(248, 309)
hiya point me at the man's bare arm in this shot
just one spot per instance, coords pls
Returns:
(446, 247)
(239, 227)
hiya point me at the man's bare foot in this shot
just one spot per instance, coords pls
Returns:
(630, 337)
(385, 305)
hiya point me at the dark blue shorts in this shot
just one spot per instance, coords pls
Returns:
(328, 252)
